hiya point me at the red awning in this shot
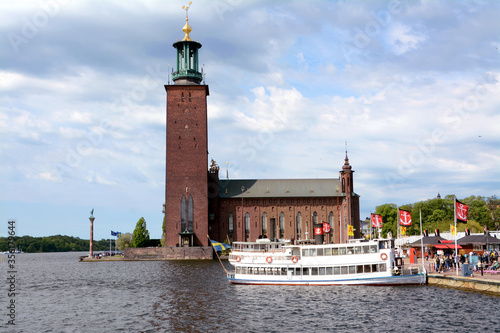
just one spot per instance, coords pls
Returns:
(446, 246)
(446, 241)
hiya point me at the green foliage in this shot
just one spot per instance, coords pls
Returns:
(439, 214)
(141, 234)
(57, 243)
(162, 240)
(124, 241)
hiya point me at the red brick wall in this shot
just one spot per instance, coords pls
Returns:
(273, 207)
(186, 160)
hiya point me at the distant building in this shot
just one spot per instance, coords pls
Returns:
(198, 204)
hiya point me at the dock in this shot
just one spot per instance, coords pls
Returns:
(489, 282)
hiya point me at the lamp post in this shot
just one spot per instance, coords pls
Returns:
(338, 216)
(242, 220)
(91, 218)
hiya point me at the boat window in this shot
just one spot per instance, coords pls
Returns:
(283, 271)
(359, 269)
(383, 267)
(250, 270)
(305, 252)
(373, 248)
(335, 251)
(365, 249)
(322, 271)
(357, 249)
(297, 271)
(262, 271)
(343, 270)
(329, 270)
(368, 269)
(320, 252)
(314, 270)
(342, 251)
(312, 252)
(374, 268)
(328, 251)
(238, 270)
(350, 250)
(305, 271)
(352, 269)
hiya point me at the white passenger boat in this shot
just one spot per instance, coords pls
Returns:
(358, 262)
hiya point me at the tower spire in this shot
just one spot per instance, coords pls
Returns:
(187, 69)
(346, 161)
(186, 28)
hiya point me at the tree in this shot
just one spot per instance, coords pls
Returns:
(141, 234)
(124, 241)
(162, 240)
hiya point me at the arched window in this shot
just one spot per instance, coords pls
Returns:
(315, 218)
(183, 213)
(190, 214)
(330, 220)
(231, 223)
(282, 225)
(247, 223)
(343, 185)
(264, 224)
(299, 227)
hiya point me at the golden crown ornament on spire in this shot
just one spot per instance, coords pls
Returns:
(186, 28)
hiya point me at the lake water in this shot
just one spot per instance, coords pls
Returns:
(56, 293)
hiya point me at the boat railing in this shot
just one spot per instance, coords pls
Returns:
(413, 269)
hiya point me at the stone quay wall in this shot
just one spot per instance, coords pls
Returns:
(169, 253)
(464, 283)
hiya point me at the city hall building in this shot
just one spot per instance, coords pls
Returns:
(198, 204)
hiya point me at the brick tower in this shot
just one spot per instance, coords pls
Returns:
(186, 200)
(350, 204)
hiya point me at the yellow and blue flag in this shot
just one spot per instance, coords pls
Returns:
(219, 247)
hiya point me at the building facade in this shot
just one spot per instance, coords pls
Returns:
(198, 203)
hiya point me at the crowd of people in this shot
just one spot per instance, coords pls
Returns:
(485, 261)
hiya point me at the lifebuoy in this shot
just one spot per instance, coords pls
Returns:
(269, 260)
(238, 258)
(295, 259)
(383, 256)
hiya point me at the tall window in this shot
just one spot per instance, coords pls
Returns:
(247, 225)
(190, 213)
(264, 224)
(282, 225)
(330, 220)
(231, 224)
(315, 218)
(183, 213)
(299, 226)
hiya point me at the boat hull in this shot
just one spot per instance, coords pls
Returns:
(416, 279)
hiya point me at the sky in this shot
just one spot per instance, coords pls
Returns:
(411, 86)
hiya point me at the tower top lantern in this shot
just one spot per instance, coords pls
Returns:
(187, 69)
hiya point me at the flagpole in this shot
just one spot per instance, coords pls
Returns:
(455, 217)
(421, 240)
(397, 224)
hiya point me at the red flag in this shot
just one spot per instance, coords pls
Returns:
(462, 211)
(376, 221)
(326, 227)
(404, 217)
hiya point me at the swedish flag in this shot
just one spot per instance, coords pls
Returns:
(219, 247)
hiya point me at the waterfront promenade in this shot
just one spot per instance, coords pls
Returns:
(488, 282)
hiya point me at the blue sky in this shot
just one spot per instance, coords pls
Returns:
(413, 86)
